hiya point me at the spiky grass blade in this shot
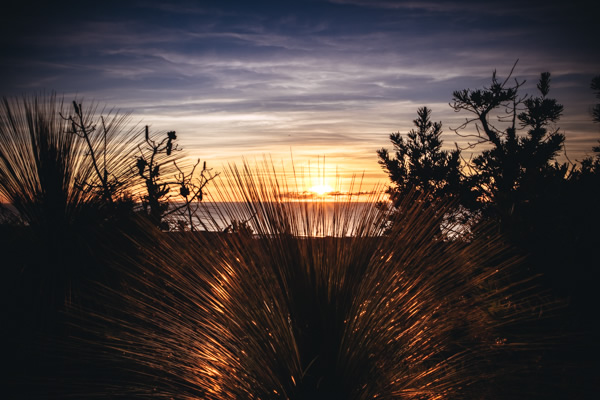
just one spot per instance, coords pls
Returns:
(306, 308)
(46, 171)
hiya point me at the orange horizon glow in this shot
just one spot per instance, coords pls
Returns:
(307, 179)
(321, 190)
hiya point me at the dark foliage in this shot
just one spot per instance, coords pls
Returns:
(155, 161)
(165, 181)
(68, 177)
(420, 165)
(507, 178)
(545, 210)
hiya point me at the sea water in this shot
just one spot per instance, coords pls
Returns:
(317, 218)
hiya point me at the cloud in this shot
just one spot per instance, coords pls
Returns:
(317, 79)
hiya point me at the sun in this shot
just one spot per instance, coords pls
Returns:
(321, 190)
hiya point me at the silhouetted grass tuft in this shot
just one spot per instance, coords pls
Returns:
(310, 306)
(53, 185)
(46, 171)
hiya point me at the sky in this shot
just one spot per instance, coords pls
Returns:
(314, 80)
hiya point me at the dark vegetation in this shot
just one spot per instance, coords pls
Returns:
(74, 201)
(475, 282)
(545, 209)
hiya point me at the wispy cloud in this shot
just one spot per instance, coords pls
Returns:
(317, 79)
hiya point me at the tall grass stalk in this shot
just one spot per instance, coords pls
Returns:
(310, 306)
(46, 170)
(55, 189)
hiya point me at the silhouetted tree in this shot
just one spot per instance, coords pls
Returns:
(164, 180)
(513, 175)
(544, 209)
(419, 163)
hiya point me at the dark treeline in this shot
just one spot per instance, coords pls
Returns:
(435, 297)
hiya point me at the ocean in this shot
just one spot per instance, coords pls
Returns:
(310, 218)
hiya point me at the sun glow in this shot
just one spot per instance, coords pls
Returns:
(321, 190)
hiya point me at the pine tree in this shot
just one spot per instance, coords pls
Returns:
(514, 173)
(420, 165)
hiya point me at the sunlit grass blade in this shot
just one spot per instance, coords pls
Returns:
(307, 308)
